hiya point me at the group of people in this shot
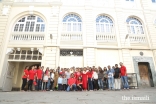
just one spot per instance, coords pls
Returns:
(75, 79)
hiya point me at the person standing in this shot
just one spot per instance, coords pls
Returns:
(95, 78)
(64, 83)
(100, 78)
(56, 75)
(105, 78)
(117, 77)
(39, 78)
(90, 83)
(110, 75)
(45, 81)
(84, 79)
(24, 78)
(59, 82)
(51, 80)
(124, 78)
(31, 78)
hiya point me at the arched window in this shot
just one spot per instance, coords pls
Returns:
(30, 24)
(134, 26)
(104, 24)
(72, 23)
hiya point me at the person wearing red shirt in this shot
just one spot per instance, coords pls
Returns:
(31, 78)
(90, 83)
(84, 79)
(71, 83)
(39, 78)
(24, 78)
(124, 78)
(79, 84)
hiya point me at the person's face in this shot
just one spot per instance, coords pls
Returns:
(39, 67)
(108, 67)
(116, 66)
(27, 67)
(35, 67)
(120, 64)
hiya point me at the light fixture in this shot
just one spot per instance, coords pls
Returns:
(51, 36)
(126, 36)
(18, 49)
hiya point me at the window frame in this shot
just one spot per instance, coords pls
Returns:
(32, 23)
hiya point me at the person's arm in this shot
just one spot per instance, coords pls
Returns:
(119, 73)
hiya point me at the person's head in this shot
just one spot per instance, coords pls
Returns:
(32, 67)
(72, 75)
(84, 69)
(42, 67)
(27, 67)
(121, 64)
(109, 67)
(116, 65)
(60, 75)
(113, 67)
(47, 69)
(105, 69)
(35, 67)
(80, 78)
(39, 67)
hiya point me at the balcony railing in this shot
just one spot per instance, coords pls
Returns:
(137, 38)
(27, 37)
(71, 36)
(103, 37)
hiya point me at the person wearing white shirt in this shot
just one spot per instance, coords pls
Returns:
(95, 78)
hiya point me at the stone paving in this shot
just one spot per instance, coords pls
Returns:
(85, 97)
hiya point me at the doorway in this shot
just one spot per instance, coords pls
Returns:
(13, 74)
(146, 78)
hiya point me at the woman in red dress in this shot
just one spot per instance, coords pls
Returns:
(84, 79)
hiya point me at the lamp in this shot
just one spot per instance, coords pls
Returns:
(126, 36)
(51, 36)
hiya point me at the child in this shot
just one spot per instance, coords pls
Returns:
(79, 84)
(59, 82)
(64, 83)
(45, 81)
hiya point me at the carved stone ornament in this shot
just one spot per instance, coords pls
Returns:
(5, 10)
(9, 50)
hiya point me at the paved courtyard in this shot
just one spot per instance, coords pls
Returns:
(95, 97)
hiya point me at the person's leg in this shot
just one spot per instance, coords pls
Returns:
(91, 85)
(31, 83)
(68, 88)
(119, 83)
(123, 83)
(109, 83)
(116, 81)
(28, 85)
(99, 83)
(97, 86)
(126, 82)
(112, 81)
(24, 83)
(46, 85)
(74, 87)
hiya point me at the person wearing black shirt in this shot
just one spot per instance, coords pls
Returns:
(117, 77)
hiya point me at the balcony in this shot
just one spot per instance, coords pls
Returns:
(137, 39)
(27, 37)
(72, 37)
(106, 38)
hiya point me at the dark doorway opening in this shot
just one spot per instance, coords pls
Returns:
(145, 73)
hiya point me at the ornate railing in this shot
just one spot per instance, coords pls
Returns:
(102, 37)
(71, 36)
(27, 36)
(137, 38)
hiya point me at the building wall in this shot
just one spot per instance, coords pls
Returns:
(94, 54)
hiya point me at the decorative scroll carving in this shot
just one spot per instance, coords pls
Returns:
(71, 52)
(5, 10)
